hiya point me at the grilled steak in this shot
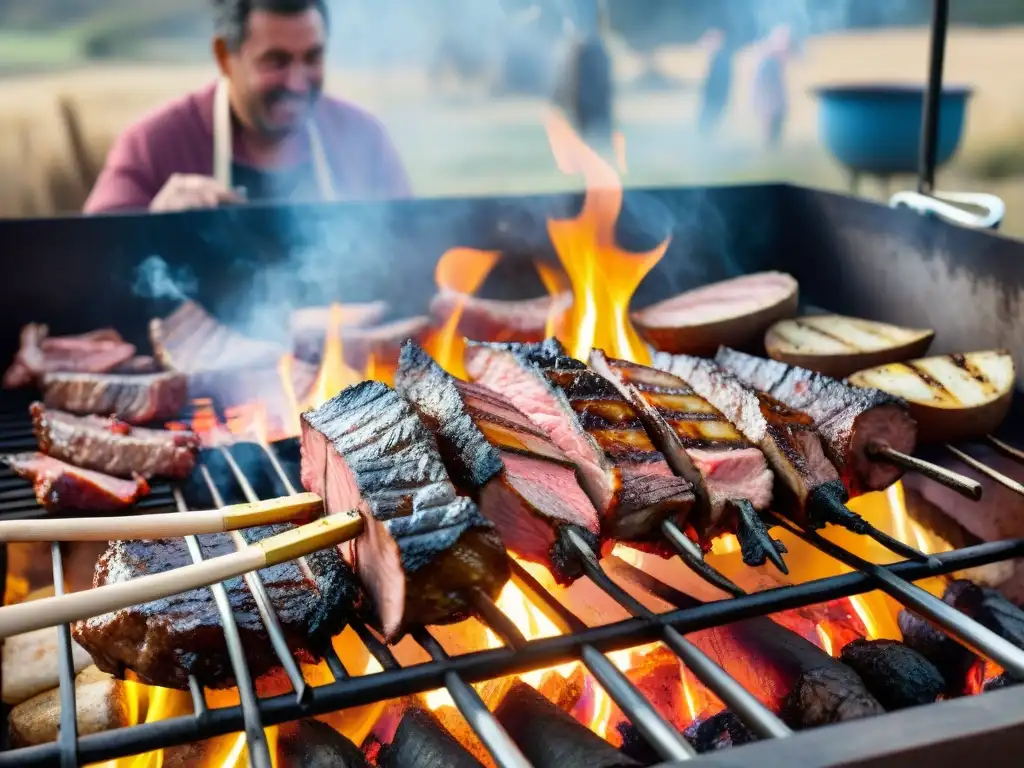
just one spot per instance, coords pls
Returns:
(627, 479)
(382, 343)
(495, 320)
(309, 325)
(522, 482)
(138, 364)
(221, 363)
(59, 486)
(114, 447)
(40, 353)
(786, 437)
(425, 549)
(849, 419)
(700, 445)
(165, 641)
(134, 399)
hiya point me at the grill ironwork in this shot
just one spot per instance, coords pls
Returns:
(247, 472)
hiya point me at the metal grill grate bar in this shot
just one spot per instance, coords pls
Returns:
(68, 736)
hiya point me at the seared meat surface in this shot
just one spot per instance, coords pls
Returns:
(135, 399)
(626, 478)
(425, 549)
(698, 442)
(498, 320)
(522, 482)
(40, 353)
(165, 641)
(849, 419)
(114, 447)
(60, 486)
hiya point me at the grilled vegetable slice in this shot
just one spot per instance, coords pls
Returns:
(836, 345)
(734, 312)
(953, 397)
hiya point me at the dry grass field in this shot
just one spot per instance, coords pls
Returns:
(56, 128)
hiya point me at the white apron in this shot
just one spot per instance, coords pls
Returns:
(223, 153)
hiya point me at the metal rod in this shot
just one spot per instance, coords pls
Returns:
(495, 738)
(985, 469)
(966, 487)
(761, 720)
(933, 98)
(660, 734)
(497, 619)
(685, 548)
(275, 462)
(198, 699)
(1005, 448)
(68, 736)
(258, 590)
(967, 631)
(255, 738)
(335, 664)
(491, 664)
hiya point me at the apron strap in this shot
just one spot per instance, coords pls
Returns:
(223, 152)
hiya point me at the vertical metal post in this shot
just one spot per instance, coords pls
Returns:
(933, 98)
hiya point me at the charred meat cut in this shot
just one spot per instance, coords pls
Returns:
(521, 481)
(851, 420)
(897, 675)
(626, 477)
(788, 439)
(497, 320)
(60, 486)
(134, 399)
(165, 641)
(703, 447)
(40, 353)
(425, 549)
(551, 738)
(114, 447)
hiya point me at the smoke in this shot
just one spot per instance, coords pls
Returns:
(155, 279)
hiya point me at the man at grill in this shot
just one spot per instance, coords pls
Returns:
(264, 131)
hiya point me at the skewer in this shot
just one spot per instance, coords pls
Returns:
(693, 559)
(1005, 448)
(292, 509)
(954, 481)
(985, 469)
(738, 699)
(326, 532)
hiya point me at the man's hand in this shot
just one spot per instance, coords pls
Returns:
(185, 191)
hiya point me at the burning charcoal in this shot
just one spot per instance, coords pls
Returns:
(312, 744)
(421, 742)
(524, 320)
(717, 732)
(549, 737)
(897, 675)
(986, 606)
(635, 746)
(101, 705)
(30, 664)
(998, 683)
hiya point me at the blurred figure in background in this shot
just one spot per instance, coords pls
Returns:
(717, 88)
(769, 89)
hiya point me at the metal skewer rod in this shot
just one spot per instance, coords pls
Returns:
(740, 701)
(1005, 448)
(659, 733)
(688, 553)
(974, 636)
(954, 481)
(985, 469)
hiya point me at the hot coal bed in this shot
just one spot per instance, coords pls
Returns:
(849, 256)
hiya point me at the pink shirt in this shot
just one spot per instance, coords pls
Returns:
(178, 138)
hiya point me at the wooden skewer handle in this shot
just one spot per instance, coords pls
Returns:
(296, 509)
(53, 611)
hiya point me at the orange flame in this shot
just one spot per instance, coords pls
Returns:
(604, 277)
(334, 375)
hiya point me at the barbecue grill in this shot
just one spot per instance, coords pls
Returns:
(850, 256)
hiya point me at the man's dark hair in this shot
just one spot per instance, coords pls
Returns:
(231, 17)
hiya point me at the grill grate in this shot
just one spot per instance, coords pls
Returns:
(248, 472)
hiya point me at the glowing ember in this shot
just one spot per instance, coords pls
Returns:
(604, 277)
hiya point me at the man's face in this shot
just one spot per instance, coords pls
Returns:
(277, 73)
